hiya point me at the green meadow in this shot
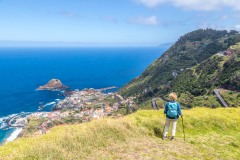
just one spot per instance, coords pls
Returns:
(210, 134)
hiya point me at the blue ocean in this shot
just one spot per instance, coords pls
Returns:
(22, 70)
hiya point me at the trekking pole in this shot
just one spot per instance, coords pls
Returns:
(163, 131)
(164, 126)
(183, 128)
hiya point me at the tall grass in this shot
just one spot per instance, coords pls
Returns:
(115, 138)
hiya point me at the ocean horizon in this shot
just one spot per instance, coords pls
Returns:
(22, 70)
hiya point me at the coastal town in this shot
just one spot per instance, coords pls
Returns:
(78, 106)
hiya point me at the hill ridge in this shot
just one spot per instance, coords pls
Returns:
(192, 49)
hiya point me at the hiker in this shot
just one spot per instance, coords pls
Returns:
(172, 111)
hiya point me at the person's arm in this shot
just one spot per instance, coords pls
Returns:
(165, 109)
(179, 110)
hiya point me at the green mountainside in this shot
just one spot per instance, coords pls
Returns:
(216, 71)
(191, 68)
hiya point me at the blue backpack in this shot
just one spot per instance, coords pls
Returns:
(172, 109)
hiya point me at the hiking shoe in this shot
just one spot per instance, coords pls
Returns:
(172, 138)
(164, 137)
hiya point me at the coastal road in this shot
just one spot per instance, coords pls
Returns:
(220, 98)
(154, 103)
(119, 98)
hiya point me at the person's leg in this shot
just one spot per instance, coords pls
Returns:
(174, 126)
(166, 127)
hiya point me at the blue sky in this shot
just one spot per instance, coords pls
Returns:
(111, 22)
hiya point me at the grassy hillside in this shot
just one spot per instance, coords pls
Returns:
(190, 50)
(230, 77)
(232, 98)
(210, 134)
(199, 81)
(202, 78)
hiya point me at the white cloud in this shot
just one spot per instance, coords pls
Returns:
(197, 4)
(237, 27)
(206, 5)
(152, 20)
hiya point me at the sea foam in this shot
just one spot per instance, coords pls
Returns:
(14, 135)
(50, 103)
